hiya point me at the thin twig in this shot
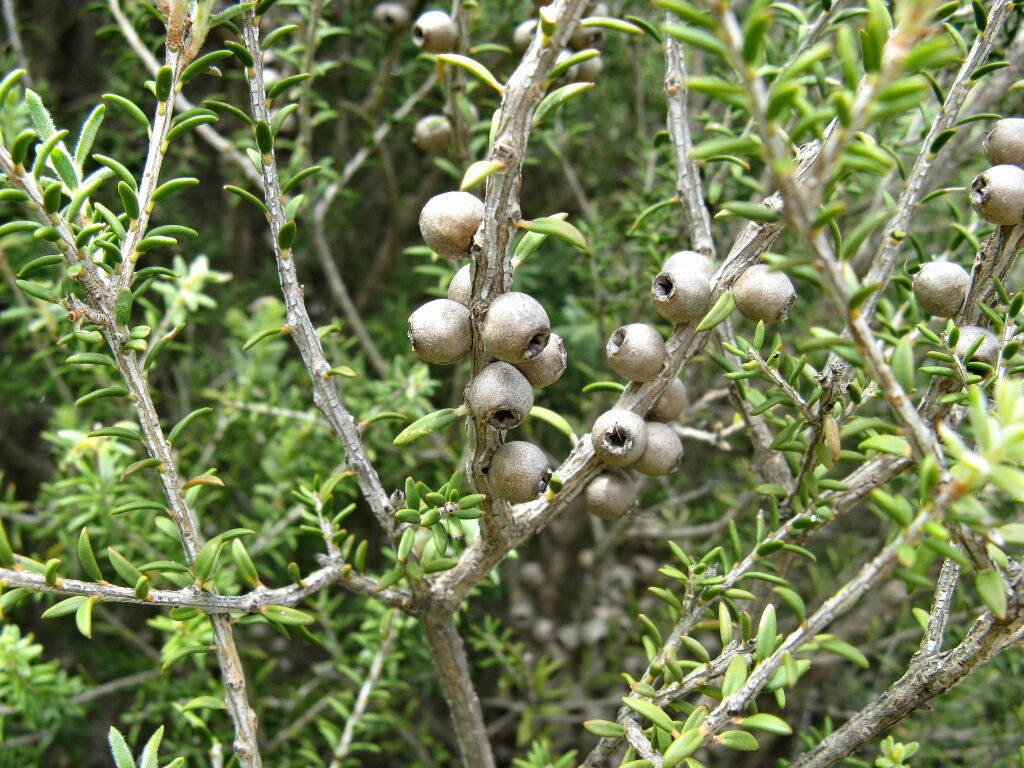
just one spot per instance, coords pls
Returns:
(326, 393)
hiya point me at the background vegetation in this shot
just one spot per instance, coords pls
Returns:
(551, 632)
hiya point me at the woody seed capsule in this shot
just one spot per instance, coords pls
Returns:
(547, 367)
(940, 287)
(619, 437)
(610, 495)
(987, 352)
(516, 328)
(500, 395)
(682, 290)
(518, 472)
(636, 352)
(670, 402)
(762, 293)
(998, 195)
(435, 32)
(449, 221)
(663, 453)
(432, 133)
(1004, 144)
(440, 332)
(391, 17)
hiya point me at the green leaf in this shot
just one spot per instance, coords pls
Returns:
(203, 702)
(571, 61)
(83, 616)
(604, 728)
(763, 721)
(203, 64)
(554, 420)
(1012, 533)
(766, 630)
(615, 25)
(752, 211)
(87, 557)
(650, 711)
(697, 38)
(719, 313)
(686, 744)
(148, 758)
(992, 591)
(845, 650)
(259, 336)
(732, 145)
(172, 186)
(793, 600)
(736, 674)
(128, 573)
(895, 446)
(741, 741)
(129, 108)
(244, 564)
(530, 242)
(903, 362)
(556, 227)
(119, 749)
(175, 433)
(479, 171)
(475, 68)
(556, 99)
(37, 291)
(87, 135)
(64, 607)
(206, 558)
(285, 83)
(286, 235)
(292, 617)
(426, 425)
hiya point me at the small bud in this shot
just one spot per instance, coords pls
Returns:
(440, 332)
(449, 221)
(987, 352)
(523, 35)
(501, 396)
(682, 290)
(460, 289)
(663, 453)
(670, 403)
(619, 437)
(391, 17)
(547, 367)
(435, 32)
(518, 472)
(1004, 144)
(516, 327)
(998, 195)
(636, 352)
(610, 495)
(762, 293)
(432, 133)
(940, 287)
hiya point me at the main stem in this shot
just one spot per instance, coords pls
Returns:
(449, 655)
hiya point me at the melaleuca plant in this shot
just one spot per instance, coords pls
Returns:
(557, 384)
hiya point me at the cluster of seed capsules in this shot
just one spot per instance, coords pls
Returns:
(436, 32)
(997, 195)
(682, 293)
(516, 334)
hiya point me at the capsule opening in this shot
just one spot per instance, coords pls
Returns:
(662, 287)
